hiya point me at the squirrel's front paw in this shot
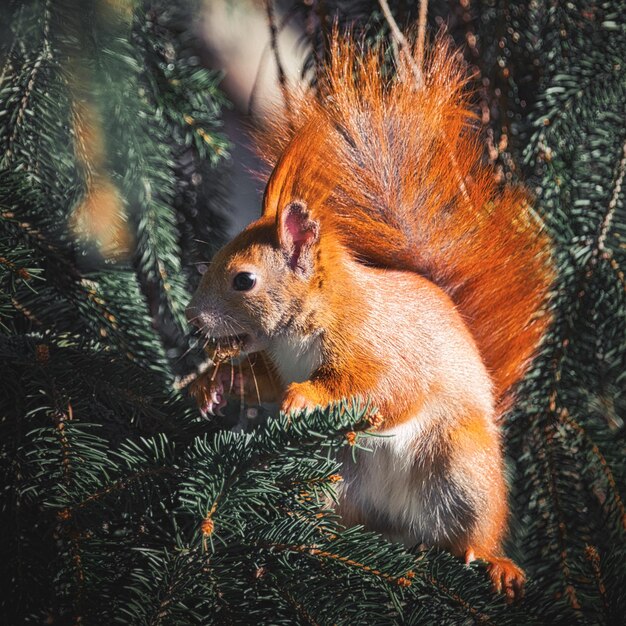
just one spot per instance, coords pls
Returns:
(299, 396)
(211, 389)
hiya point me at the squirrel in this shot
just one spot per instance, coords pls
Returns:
(390, 264)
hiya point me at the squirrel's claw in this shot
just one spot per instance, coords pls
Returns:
(212, 389)
(213, 407)
(506, 577)
(215, 400)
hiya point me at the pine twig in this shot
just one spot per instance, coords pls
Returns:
(569, 590)
(118, 485)
(260, 68)
(479, 618)
(282, 78)
(44, 55)
(421, 32)
(606, 469)
(591, 554)
(311, 550)
(416, 67)
(610, 213)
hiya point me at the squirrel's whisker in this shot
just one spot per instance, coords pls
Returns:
(256, 385)
(241, 392)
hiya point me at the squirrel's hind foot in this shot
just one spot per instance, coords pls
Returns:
(506, 577)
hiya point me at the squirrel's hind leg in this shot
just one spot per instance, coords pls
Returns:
(478, 460)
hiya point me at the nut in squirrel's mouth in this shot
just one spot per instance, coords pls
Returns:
(228, 346)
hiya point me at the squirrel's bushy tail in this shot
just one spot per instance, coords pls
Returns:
(400, 169)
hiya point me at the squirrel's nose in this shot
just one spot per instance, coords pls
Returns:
(194, 316)
(201, 316)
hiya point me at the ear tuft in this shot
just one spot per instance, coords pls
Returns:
(297, 233)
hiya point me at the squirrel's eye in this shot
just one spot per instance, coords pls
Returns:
(244, 281)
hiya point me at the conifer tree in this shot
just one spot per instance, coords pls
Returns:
(121, 504)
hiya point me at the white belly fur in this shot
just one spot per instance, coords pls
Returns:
(296, 358)
(392, 490)
(394, 487)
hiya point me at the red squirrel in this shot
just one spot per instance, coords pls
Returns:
(388, 264)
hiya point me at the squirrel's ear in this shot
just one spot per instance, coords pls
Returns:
(297, 233)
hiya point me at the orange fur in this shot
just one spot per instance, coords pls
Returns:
(390, 266)
(398, 174)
